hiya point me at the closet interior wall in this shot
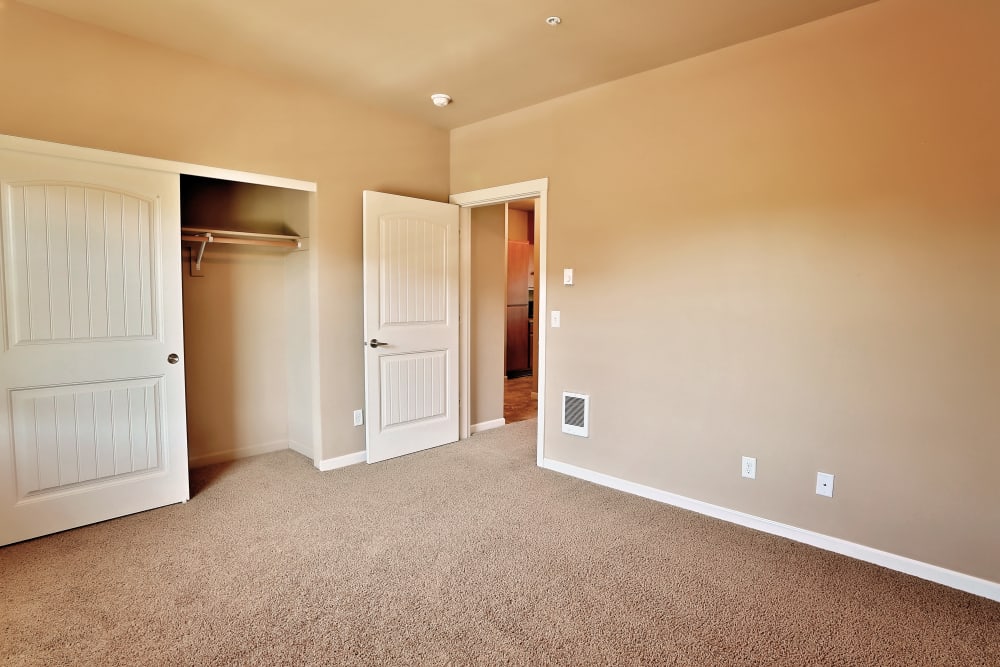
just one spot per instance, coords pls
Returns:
(246, 324)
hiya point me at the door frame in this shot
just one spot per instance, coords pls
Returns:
(52, 149)
(535, 189)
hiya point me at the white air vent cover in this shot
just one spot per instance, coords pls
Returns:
(576, 414)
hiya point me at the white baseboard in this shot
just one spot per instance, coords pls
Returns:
(486, 426)
(963, 582)
(304, 450)
(236, 453)
(342, 461)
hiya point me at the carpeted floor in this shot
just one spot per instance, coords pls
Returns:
(467, 554)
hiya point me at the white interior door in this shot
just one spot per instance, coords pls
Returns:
(92, 421)
(411, 324)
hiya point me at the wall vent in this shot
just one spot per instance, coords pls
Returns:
(576, 414)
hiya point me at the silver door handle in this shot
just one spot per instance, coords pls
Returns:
(374, 342)
(173, 359)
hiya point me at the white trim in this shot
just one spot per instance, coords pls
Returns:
(24, 145)
(501, 193)
(464, 322)
(304, 450)
(203, 460)
(538, 188)
(315, 345)
(541, 312)
(963, 582)
(342, 461)
(487, 426)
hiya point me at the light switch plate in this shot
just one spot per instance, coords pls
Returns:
(567, 276)
(556, 319)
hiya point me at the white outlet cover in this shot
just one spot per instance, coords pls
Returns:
(749, 467)
(359, 417)
(556, 319)
(824, 484)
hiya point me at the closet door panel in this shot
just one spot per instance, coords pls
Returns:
(92, 422)
(80, 264)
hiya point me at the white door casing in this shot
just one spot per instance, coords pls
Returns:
(411, 307)
(92, 416)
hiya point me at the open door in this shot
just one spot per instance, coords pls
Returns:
(411, 324)
(92, 421)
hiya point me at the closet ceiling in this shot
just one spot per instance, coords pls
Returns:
(491, 56)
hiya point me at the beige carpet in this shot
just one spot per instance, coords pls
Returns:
(467, 554)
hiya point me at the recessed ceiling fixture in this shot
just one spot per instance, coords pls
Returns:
(440, 99)
(553, 20)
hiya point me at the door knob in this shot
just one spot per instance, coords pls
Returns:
(374, 342)
(173, 358)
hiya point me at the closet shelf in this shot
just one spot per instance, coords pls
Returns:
(205, 236)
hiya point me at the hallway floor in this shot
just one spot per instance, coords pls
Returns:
(518, 405)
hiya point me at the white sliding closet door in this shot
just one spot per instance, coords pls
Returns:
(92, 421)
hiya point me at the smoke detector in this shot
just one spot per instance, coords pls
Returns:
(440, 99)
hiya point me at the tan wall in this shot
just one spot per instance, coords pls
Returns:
(75, 84)
(235, 351)
(298, 211)
(489, 308)
(787, 249)
(300, 364)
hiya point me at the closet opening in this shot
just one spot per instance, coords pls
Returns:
(247, 319)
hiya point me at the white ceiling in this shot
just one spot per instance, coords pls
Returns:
(491, 56)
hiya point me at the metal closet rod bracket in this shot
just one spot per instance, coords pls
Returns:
(201, 251)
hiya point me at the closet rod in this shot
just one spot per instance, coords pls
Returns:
(232, 233)
(212, 238)
(205, 236)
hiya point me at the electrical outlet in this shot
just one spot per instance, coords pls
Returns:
(824, 484)
(556, 319)
(359, 417)
(749, 467)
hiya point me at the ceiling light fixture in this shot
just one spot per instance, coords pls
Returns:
(440, 99)
(553, 20)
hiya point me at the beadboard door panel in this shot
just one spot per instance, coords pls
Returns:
(411, 324)
(92, 418)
